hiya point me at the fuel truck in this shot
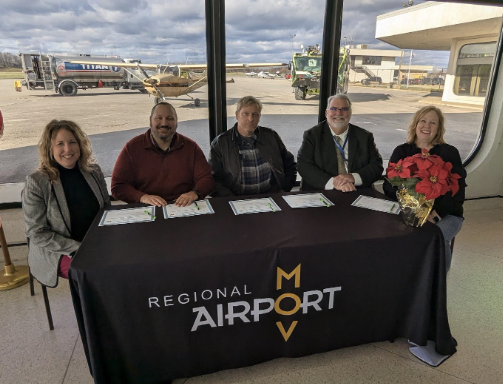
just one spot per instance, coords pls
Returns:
(306, 72)
(55, 72)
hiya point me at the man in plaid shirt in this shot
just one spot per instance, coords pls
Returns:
(249, 159)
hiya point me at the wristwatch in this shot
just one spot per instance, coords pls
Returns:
(197, 193)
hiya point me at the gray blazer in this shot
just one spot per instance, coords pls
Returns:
(47, 221)
(317, 157)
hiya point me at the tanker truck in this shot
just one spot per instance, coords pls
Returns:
(306, 72)
(55, 72)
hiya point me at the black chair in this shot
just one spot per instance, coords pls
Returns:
(46, 297)
(46, 301)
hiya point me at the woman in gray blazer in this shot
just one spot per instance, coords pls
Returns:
(61, 199)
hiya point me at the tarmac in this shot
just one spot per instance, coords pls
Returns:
(111, 118)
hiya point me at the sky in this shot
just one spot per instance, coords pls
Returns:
(173, 31)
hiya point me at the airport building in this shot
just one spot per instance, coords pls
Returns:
(469, 32)
(368, 63)
(386, 64)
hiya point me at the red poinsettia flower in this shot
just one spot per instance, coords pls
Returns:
(425, 174)
(424, 160)
(433, 182)
(452, 180)
(447, 166)
(437, 160)
(400, 169)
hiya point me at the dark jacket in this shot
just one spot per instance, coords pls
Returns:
(446, 204)
(317, 158)
(226, 166)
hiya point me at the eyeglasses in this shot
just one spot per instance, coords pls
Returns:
(343, 109)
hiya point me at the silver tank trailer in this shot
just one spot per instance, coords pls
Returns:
(82, 73)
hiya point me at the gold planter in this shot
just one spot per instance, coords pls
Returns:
(415, 210)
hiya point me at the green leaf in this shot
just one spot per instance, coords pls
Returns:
(395, 181)
(410, 184)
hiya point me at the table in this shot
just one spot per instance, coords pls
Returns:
(189, 296)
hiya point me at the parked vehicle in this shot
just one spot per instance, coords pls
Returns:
(412, 81)
(437, 81)
(306, 72)
(266, 75)
(376, 80)
(56, 72)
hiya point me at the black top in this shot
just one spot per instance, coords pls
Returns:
(82, 203)
(446, 204)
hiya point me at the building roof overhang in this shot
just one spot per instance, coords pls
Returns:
(433, 25)
(374, 52)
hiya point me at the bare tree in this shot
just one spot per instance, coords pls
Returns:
(9, 60)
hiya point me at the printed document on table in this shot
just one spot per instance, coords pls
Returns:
(240, 207)
(200, 207)
(307, 200)
(128, 216)
(375, 204)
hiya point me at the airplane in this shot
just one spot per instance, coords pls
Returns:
(265, 75)
(251, 74)
(173, 80)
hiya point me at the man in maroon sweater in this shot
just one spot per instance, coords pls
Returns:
(161, 165)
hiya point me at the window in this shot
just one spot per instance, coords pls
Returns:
(473, 68)
(371, 60)
(276, 32)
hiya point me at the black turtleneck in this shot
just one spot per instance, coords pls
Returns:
(82, 203)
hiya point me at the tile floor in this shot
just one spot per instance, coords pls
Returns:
(30, 353)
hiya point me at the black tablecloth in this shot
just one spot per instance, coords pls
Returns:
(153, 299)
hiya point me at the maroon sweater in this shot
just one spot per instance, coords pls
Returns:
(141, 169)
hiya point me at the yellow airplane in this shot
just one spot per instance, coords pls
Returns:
(172, 80)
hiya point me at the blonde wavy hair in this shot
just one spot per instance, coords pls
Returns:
(411, 132)
(46, 161)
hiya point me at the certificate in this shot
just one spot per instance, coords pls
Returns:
(240, 207)
(307, 200)
(200, 207)
(375, 204)
(128, 216)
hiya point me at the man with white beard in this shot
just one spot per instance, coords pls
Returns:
(336, 154)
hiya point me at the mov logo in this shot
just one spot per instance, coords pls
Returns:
(279, 275)
(309, 299)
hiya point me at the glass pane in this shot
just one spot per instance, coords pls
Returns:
(276, 32)
(417, 65)
(110, 104)
(473, 69)
(478, 50)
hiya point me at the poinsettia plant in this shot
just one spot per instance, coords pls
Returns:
(425, 174)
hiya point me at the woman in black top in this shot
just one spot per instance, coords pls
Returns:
(427, 131)
(61, 199)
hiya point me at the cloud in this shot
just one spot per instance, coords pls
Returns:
(158, 31)
(120, 5)
(43, 7)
